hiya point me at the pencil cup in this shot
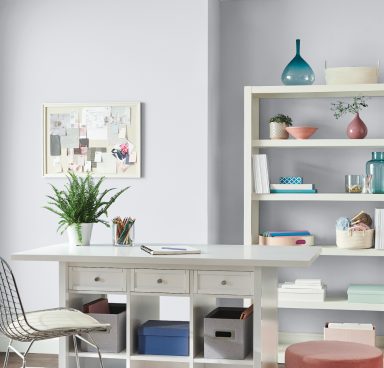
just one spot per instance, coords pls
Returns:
(123, 232)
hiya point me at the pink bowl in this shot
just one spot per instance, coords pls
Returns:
(303, 132)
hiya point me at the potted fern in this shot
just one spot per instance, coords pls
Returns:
(79, 205)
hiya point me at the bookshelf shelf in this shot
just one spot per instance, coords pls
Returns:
(248, 361)
(83, 354)
(333, 250)
(317, 143)
(318, 91)
(327, 197)
(338, 303)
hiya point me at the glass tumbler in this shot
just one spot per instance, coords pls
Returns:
(353, 183)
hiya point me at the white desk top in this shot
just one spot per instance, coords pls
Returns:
(211, 255)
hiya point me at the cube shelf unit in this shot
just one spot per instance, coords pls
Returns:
(252, 145)
(144, 306)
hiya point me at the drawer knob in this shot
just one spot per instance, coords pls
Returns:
(159, 281)
(97, 279)
(223, 282)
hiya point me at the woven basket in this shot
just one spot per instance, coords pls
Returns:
(349, 239)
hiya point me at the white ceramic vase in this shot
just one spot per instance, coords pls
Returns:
(86, 232)
(277, 130)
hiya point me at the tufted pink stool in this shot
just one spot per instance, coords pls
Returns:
(332, 354)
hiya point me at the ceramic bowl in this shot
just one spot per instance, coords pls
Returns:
(303, 132)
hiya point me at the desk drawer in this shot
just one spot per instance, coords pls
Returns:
(98, 279)
(161, 281)
(223, 282)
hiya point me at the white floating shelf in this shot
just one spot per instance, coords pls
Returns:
(317, 91)
(248, 361)
(161, 358)
(316, 143)
(338, 197)
(331, 304)
(83, 354)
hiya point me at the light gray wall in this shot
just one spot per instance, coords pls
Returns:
(95, 51)
(257, 41)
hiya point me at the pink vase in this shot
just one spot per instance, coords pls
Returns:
(356, 129)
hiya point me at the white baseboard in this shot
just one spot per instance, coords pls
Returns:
(50, 346)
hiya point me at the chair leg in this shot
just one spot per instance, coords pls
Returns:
(76, 351)
(22, 356)
(98, 350)
(93, 344)
(7, 354)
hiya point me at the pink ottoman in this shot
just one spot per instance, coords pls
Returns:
(332, 354)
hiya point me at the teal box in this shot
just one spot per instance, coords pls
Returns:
(291, 180)
(366, 294)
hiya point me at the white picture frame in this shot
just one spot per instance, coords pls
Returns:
(102, 138)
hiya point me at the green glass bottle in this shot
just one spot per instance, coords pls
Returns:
(375, 167)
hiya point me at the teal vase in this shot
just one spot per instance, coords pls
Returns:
(375, 167)
(298, 71)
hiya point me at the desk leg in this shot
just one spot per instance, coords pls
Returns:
(63, 302)
(265, 322)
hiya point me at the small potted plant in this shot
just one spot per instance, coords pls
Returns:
(356, 129)
(277, 125)
(79, 205)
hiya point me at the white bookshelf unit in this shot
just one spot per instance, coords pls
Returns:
(252, 145)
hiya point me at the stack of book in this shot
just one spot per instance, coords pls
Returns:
(311, 290)
(379, 228)
(260, 173)
(293, 188)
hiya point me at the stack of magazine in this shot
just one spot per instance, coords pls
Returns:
(311, 290)
(379, 228)
(260, 173)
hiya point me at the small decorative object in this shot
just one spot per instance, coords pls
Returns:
(375, 168)
(79, 205)
(353, 183)
(303, 132)
(367, 184)
(352, 74)
(343, 223)
(298, 71)
(123, 231)
(356, 129)
(291, 180)
(277, 125)
(103, 139)
(121, 152)
(354, 233)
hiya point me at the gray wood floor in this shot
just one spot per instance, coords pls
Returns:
(34, 360)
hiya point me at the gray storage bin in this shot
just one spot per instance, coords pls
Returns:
(226, 336)
(113, 341)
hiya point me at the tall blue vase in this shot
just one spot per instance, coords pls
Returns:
(298, 71)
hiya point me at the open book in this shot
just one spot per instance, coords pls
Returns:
(169, 249)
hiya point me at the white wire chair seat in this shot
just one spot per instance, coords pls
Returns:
(51, 323)
(42, 324)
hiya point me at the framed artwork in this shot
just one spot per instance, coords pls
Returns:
(100, 138)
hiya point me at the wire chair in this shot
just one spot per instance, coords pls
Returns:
(42, 324)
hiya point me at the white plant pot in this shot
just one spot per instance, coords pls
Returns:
(277, 130)
(86, 232)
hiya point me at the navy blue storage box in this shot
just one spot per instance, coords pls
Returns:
(164, 338)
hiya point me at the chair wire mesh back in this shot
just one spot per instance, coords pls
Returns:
(14, 323)
(12, 317)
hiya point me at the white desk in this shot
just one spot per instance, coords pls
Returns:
(220, 271)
